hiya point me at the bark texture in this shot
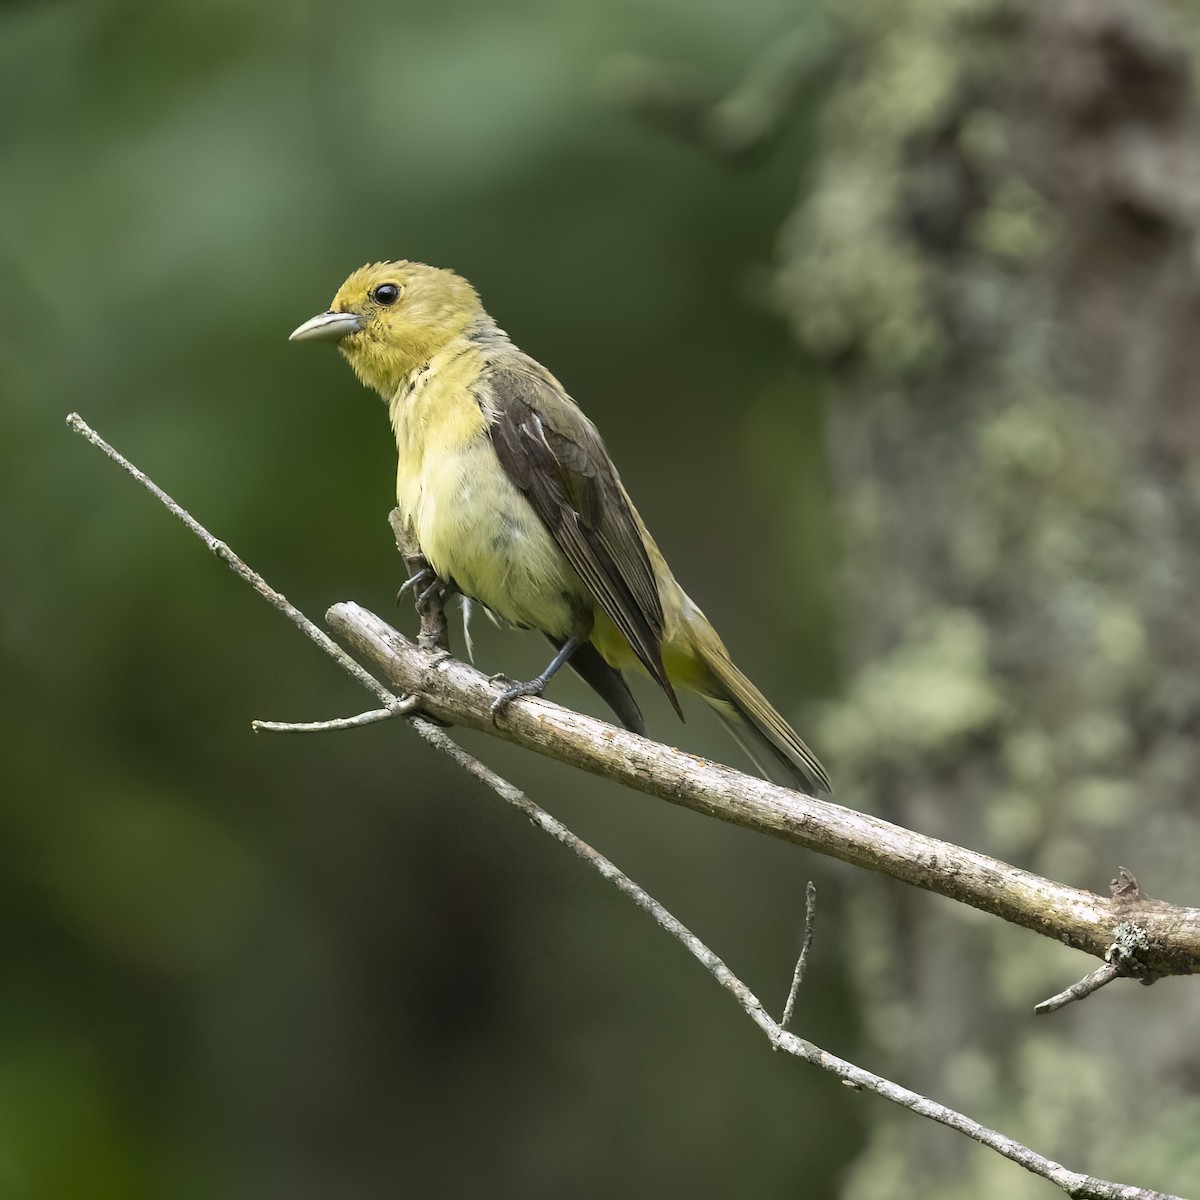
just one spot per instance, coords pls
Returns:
(999, 260)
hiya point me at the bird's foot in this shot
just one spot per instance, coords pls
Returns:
(425, 585)
(429, 596)
(534, 687)
(421, 578)
(438, 588)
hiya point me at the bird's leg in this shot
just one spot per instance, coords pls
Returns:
(535, 687)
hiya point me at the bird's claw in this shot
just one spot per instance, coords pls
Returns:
(422, 576)
(534, 687)
(436, 588)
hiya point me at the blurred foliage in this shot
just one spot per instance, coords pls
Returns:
(242, 966)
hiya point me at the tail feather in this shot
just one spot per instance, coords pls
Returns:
(765, 736)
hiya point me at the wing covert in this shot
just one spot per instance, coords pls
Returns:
(553, 455)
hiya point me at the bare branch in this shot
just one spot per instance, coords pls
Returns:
(1168, 937)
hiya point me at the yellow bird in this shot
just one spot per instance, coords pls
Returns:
(513, 500)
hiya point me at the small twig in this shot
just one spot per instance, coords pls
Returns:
(403, 708)
(1103, 974)
(810, 913)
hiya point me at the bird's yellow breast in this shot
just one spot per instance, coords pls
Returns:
(436, 418)
(471, 523)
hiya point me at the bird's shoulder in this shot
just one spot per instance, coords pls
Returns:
(532, 416)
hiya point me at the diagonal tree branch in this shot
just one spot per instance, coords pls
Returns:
(1168, 942)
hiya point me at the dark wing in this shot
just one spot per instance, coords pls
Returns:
(554, 457)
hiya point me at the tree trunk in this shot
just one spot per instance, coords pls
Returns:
(999, 260)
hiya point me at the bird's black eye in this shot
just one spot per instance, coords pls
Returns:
(386, 293)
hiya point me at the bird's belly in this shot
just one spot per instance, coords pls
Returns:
(475, 528)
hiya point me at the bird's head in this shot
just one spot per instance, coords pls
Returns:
(390, 318)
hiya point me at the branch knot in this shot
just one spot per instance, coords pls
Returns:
(1131, 944)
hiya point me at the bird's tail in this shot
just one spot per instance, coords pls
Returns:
(765, 736)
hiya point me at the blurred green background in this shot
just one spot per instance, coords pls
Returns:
(249, 966)
(906, 392)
